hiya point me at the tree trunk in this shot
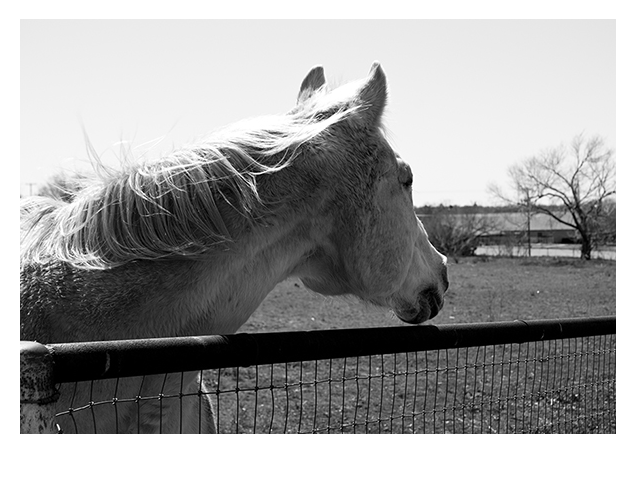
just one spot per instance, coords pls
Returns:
(586, 247)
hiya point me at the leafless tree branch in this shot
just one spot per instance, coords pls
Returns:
(578, 179)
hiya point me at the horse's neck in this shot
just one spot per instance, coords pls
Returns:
(222, 292)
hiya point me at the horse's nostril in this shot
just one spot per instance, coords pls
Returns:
(436, 301)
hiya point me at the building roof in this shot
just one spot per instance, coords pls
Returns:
(501, 223)
(509, 222)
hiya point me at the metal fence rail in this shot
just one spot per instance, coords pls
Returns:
(548, 376)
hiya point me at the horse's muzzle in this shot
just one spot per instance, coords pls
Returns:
(429, 303)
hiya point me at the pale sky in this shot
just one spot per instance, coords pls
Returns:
(467, 98)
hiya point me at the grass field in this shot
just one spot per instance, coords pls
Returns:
(481, 290)
(545, 387)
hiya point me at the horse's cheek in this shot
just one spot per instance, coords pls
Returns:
(394, 240)
(385, 260)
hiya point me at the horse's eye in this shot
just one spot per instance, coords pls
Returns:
(405, 176)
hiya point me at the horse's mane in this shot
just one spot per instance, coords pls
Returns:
(175, 205)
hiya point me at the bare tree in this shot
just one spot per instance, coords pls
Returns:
(580, 179)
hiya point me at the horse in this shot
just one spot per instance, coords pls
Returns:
(190, 243)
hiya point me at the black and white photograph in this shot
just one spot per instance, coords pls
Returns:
(315, 226)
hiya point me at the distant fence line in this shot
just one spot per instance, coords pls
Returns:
(522, 376)
(543, 250)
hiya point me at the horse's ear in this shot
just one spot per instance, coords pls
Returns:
(314, 80)
(373, 94)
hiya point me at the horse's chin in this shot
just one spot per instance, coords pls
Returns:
(428, 305)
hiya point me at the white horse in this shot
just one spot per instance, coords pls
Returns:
(191, 243)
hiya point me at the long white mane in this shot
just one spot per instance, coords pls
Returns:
(175, 205)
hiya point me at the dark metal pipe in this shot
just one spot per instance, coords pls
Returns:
(126, 358)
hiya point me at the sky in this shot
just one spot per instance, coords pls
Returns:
(467, 98)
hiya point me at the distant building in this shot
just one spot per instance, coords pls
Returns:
(505, 227)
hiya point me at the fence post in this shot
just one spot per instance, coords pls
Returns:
(37, 389)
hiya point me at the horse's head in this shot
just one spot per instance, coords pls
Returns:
(371, 243)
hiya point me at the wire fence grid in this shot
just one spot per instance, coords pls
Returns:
(543, 387)
(564, 385)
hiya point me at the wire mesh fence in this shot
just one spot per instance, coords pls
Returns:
(553, 381)
(540, 387)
